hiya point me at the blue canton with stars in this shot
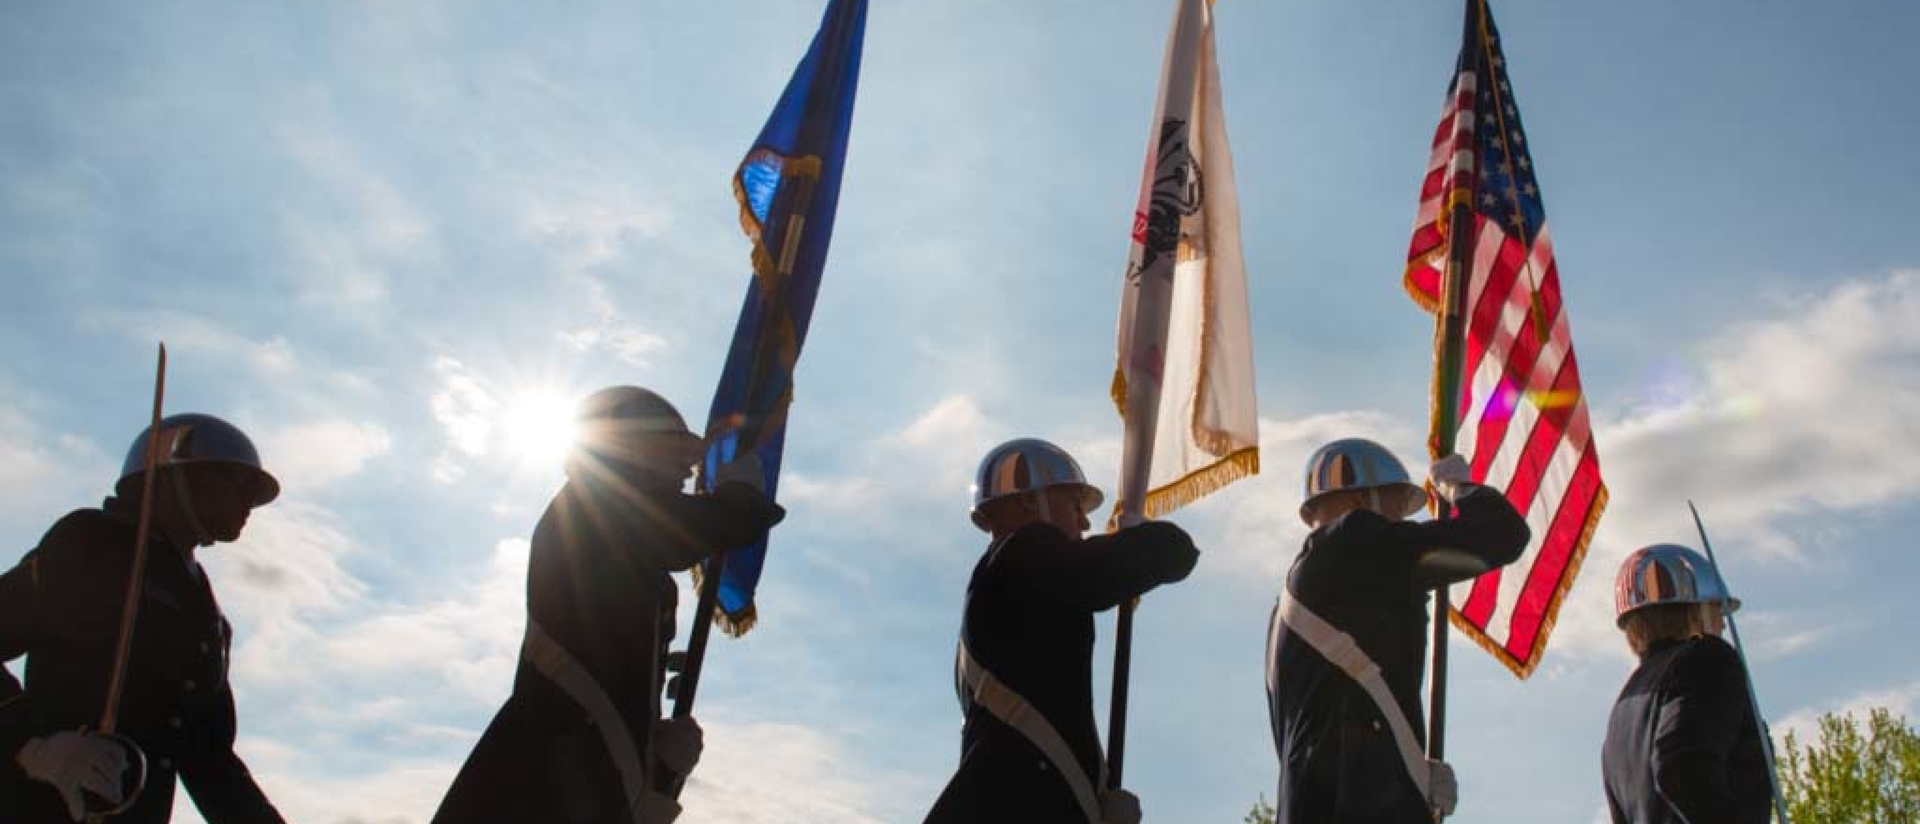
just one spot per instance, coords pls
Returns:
(1507, 192)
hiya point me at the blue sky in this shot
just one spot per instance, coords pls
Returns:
(389, 238)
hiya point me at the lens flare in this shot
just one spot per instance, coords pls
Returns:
(538, 428)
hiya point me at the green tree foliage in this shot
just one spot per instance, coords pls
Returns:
(1855, 774)
(1262, 812)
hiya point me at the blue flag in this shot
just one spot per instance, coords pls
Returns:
(788, 186)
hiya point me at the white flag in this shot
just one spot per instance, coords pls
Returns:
(1184, 381)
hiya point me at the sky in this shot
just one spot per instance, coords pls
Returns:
(396, 241)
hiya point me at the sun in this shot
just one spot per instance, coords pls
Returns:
(538, 428)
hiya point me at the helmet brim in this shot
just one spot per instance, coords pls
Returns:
(1090, 499)
(1414, 499)
(264, 486)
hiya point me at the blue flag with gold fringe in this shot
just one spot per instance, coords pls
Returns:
(788, 186)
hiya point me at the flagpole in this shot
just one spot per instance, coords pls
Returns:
(1753, 697)
(1446, 429)
(1447, 383)
(799, 198)
(748, 439)
(1173, 113)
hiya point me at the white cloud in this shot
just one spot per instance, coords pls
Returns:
(1805, 413)
(766, 773)
(48, 472)
(465, 406)
(610, 330)
(847, 495)
(186, 333)
(1777, 633)
(1259, 517)
(938, 449)
(1804, 723)
(592, 226)
(1795, 413)
(283, 575)
(463, 643)
(750, 773)
(311, 455)
(955, 417)
(397, 791)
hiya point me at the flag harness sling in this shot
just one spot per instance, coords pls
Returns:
(560, 667)
(1014, 710)
(1342, 651)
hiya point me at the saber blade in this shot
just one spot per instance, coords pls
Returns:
(1753, 697)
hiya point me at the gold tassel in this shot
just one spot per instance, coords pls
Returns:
(1203, 482)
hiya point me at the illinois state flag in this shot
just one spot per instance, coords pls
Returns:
(1184, 377)
(788, 187)
(1522, 417)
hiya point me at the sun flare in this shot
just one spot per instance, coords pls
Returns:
(538, 428)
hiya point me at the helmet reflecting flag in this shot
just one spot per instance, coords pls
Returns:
(1667, 574)
(193, 438)
(1028, 465)
(1359, 464)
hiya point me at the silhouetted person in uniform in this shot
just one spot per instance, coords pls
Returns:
(61, 607)
(1347, 645)
(1030, 753)
(581, 740)
(1682, 744)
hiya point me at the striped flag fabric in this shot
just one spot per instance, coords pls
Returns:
(1523, 420)
(1183, 377)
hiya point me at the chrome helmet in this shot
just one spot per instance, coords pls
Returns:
(193, 438)
(1026, 465)
(1667, 574)
(1358, 463)
(616, 421)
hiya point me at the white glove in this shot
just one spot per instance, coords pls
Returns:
(1452, 477)
(1443, 790)
(677, 745)
(74, 762)
(1119, 807)
(745, 468)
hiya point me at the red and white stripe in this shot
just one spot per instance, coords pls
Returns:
(1527, 431)
(1524, 423)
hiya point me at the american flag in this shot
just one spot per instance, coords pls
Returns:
(1523, 419)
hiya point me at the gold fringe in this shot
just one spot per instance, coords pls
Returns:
(1118, 389)
(1523, 669)
(1202, 482)
(739, 624)
(1434, 393)
(1425, 301)
(733, 624)
(808, 166)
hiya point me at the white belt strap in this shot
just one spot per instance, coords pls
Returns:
(553, 661)
(1340, 650)
(1020, 714)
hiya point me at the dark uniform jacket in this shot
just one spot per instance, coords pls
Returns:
(1682, 746)
(1029, 621)
(598, 583)
(1370, 578)
(61, 607)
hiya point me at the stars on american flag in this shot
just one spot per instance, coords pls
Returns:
(1508, 192)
